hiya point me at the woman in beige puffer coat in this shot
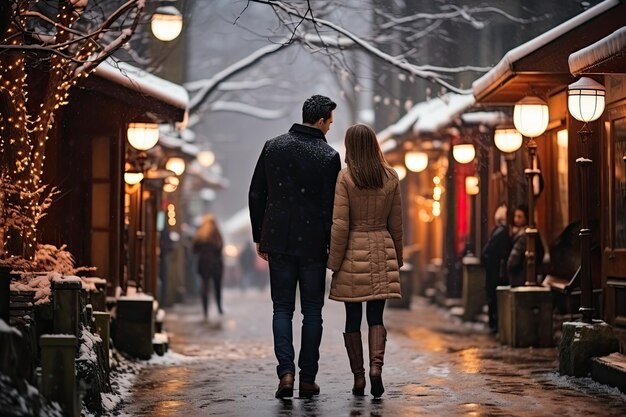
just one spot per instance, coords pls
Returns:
(365, 249)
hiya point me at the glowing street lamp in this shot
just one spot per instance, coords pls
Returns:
(585, 102)
(166, 23)
(176, 164)
(416, 161)
(143, 137)
(531, 117)
(464, 153)
(507, 140)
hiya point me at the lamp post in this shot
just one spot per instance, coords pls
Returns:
(471, 189)
(508, 141)
(585, 103)
(141, 136)
(530, 117)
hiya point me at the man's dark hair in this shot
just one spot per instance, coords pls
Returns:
(524, 209)
(317, 107)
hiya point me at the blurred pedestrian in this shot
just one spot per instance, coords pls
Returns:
(494, 256)
(291, 202)
(366, 250)
(208, 243)
(516, 262)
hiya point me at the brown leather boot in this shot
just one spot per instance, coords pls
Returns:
(377, 338)
(308, 389)
(354, 347)
(285, 386)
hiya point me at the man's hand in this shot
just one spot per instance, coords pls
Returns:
(262, 255)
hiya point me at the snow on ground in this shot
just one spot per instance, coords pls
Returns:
(124, 372)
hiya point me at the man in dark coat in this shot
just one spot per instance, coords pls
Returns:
(494, 257)
(291, 204)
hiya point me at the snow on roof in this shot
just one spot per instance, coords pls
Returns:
(487, 118)
(404, 124)
(597, 52)
(441, 113)
(144, 82)
(171, 140)
(515, 54)
(426, 117)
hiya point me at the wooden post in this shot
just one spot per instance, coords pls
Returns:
(58, 371)
(66, 318)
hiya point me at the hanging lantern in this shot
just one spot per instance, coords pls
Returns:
(586, 99)
(401, 171)
(507, 140)
(531, 116)
(176, 164)
(416, 161)
(143, 136)
(471, 185)
(206, 158)
(132, 178)
(166, 23)
(463, 153)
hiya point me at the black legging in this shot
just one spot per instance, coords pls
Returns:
(354, 313)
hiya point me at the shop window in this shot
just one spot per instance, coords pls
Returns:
(619, 140)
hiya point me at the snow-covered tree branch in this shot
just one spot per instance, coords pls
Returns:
(314, 25)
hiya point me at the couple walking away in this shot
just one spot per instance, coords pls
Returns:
(308, 215)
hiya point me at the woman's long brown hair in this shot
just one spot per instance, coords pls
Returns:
(209, 232)
(366, 164)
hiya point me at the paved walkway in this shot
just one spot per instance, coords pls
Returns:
(435, 366)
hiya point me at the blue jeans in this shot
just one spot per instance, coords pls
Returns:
(286, 271)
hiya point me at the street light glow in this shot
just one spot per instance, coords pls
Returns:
(531, 116)
(143, 136)
(463, 153)
(416, 161)
(507, 140)
(166, 23)
(586, 98)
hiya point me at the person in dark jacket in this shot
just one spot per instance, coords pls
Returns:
(208, 243)
(494, 257)
(291, 203)
(516, 262)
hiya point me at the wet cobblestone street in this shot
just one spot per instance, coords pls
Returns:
(435, 365)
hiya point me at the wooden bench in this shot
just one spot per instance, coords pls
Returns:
(566, 294)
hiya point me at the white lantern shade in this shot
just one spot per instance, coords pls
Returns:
(531, 116)
(170, 184)
(507, 140)
(176, 164)
(166, 23)
(586, 99)
(463, 153)
(206, 158)
(401, 171)
(132, 178)
(143, 136)
(471, 185)
(416, 161)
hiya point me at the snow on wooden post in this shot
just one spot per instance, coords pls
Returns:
(135, 325)
(58, 371)
(9, 352)
(66, 319)
(103, 322)
(5, 292)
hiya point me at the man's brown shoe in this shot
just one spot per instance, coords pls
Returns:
(308, 389)
(285, 386)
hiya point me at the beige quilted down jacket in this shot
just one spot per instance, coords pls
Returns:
(366, 241)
